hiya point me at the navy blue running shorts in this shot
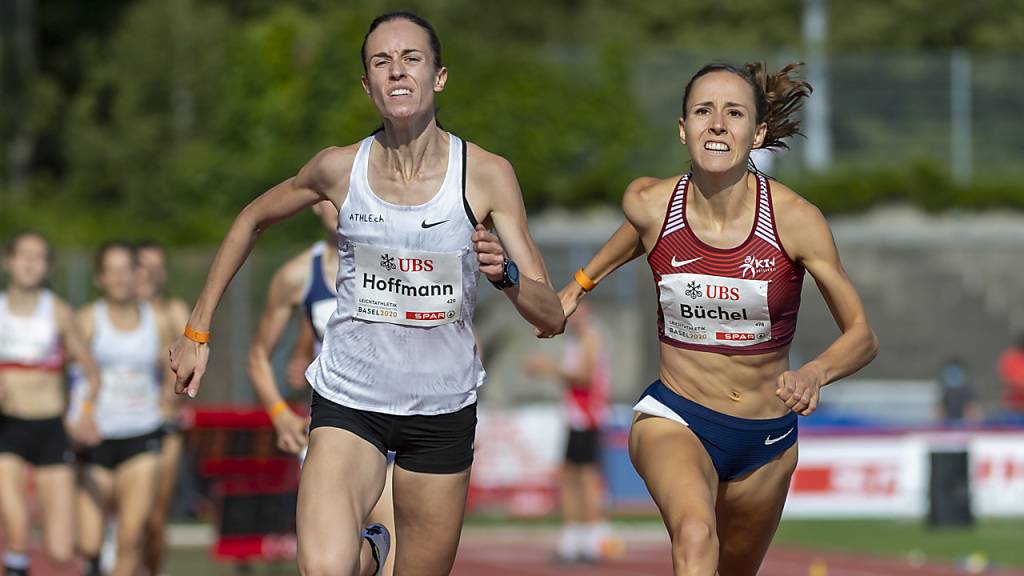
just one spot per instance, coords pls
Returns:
(737, 446)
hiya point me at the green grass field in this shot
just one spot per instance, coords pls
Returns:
(1002, 541)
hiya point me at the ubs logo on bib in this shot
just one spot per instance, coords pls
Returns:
(415, 265)
(387, 262)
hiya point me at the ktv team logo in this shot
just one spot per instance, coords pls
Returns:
(755, 265)
(387, 262)
(693, 291)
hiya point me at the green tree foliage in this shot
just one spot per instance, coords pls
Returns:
(185, 114)
(979, 25)
(162, 118)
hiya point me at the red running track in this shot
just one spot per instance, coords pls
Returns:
(508, 554)
(515, 552)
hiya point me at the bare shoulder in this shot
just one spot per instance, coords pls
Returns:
(793, 210)
(291, 277)
(802, 227)
(85, 318)
(62, 311)
(645, 200)
(178, 308)
(491, 184)
(177, 313)
(329, 169)
(648, 187)
(487, 165)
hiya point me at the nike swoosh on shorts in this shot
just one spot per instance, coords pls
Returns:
(769, 440)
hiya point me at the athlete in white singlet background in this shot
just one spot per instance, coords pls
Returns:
(37, 336)
(151, 283)
(120, 474)
(398, 369)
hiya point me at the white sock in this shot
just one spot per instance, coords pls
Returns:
(16, 560)
(569, 543)
(108, 551)
(595, 534)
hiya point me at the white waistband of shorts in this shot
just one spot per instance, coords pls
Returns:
(649, 405)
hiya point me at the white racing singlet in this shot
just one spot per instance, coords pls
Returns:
(30, 342)
(129, 401)
(401, 339)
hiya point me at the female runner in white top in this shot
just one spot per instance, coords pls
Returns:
(37, 335)
(409, 167)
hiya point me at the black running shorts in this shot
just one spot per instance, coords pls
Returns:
(42, 442)
(438, 444)
(583, 447)
(113, 452)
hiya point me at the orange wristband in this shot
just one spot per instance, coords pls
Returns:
(584, 281)
(87, 407)
(277, 408)
(196, 336)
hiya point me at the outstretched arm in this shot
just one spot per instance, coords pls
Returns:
(623, 246)
(317, 181)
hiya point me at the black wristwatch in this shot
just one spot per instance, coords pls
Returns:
(509, 276)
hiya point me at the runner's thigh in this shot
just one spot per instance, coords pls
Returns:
(749, 510)
(342, 478)
(429, 509)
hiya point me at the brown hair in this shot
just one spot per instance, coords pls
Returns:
(777, 97)
(99, 259)
(12, 244)
(435, 41)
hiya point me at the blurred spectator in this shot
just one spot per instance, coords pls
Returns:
(956, 401)
(585, 377)
(1011, 372)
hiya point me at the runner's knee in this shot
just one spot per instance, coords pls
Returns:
(327, 563)
(694, 543)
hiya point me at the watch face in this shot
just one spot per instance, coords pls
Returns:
(512, 272)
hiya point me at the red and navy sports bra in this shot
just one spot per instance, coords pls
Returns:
(741, 300)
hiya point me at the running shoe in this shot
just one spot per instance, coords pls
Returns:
(380, 543)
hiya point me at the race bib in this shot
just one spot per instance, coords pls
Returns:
(408, 287)
(711, 310)
(128, 389)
